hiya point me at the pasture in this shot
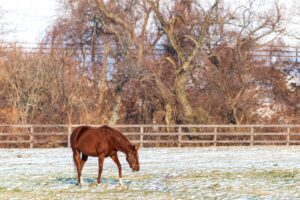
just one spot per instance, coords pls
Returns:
(166, 173)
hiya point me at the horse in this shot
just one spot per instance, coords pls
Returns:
(101, 142)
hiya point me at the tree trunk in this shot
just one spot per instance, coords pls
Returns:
(169, 117)
(102, 85)
(115, 112)
(192, 115)
(168, 99)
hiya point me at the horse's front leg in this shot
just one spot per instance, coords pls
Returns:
(117, 162)
(100, 163)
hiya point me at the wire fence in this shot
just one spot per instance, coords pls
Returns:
(268, 55)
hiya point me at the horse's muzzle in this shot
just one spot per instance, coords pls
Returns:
(135, 168)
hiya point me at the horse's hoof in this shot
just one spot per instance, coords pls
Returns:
(101, 187)
(121, 182)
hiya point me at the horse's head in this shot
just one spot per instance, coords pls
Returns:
(133, 159)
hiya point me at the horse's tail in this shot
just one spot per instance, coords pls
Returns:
(74, 163)
(74, 138)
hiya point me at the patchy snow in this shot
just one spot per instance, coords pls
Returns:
(293, 79)
(166, 173)
(267, 107)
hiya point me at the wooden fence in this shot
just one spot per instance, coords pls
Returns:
(41, 136)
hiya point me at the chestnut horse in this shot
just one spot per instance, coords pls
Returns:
(101, 142)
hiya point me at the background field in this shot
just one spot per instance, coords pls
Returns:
(166, 173)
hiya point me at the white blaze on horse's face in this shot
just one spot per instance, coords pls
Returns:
(133, 159)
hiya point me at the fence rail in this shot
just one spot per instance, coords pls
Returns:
(37, 136)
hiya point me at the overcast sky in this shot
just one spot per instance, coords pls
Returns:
(27, 19)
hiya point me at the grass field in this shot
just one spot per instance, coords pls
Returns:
(166, 173)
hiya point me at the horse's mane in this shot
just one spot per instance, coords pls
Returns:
(116, 131)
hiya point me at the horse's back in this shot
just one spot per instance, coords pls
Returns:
(90, 140)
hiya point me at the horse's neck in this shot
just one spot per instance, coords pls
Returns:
(123, 145)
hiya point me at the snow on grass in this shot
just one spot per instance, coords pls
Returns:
(166, 173)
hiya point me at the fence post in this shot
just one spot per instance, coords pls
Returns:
(288, 137)
(31, 137)
(69, 135)
(141, 136)
(271, 56)
(179, 136)
(296, 55)
(252, 136)
(215, 136)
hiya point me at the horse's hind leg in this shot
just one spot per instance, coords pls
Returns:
(84, 158)
(82, 162)
(76, 158)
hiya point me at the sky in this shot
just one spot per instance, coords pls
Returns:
(27, 19)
